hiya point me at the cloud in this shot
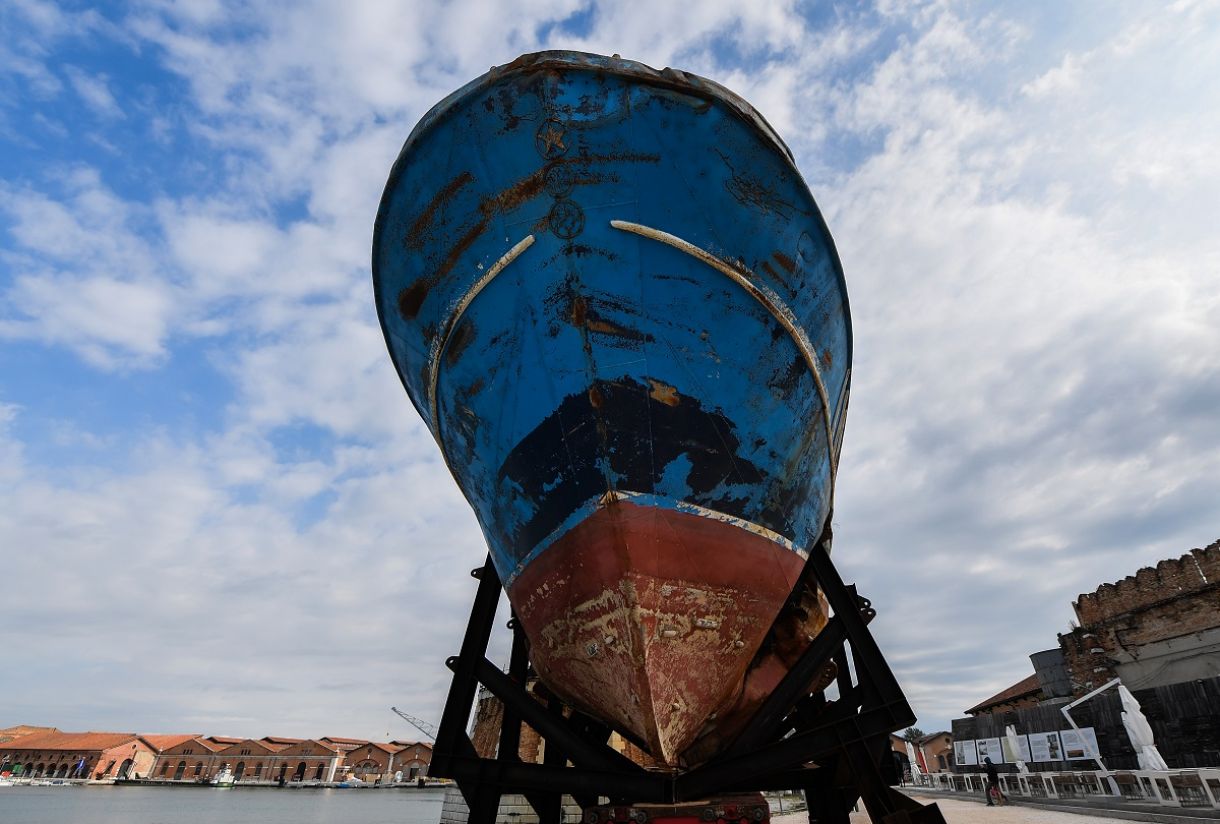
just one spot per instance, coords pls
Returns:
(1025, 223)
(83, 275)
(95, 91)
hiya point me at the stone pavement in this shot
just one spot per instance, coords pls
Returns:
(970, 812)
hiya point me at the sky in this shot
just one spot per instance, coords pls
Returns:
(219, 512)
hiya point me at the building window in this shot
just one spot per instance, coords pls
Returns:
(198, 768)
(164, 768)
(258, 770)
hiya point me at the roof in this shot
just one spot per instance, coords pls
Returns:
(388, 748)
(70, 741)
(932, 735)
(224, 739)
(336, 740)
(247, 743)
(275, 739)
(1026, 686)
(11, 733)
(405, 744)
(161, 743)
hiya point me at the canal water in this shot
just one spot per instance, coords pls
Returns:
(208, 805)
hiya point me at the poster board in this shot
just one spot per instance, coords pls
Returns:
(989, 748)
(1022, 752)
(964, 753)
(1079, 744)
(1045, 746)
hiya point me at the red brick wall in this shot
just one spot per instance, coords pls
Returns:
(1176, 597)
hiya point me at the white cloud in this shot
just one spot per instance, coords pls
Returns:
(1026, 230)
(94, 90)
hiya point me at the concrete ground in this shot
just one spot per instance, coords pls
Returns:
(971, 812)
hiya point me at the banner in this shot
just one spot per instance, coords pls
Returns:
(1079, 744)
(1022, 753)
(990, 748)
(964, 753)
(1045, 746)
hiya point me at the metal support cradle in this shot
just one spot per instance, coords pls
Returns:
(836, 750)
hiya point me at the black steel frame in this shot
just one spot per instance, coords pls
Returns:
(847, 737)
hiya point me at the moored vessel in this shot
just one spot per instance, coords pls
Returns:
(615, 304)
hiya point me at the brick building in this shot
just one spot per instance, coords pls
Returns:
(1158, 631)
(936, 750)
(414, 758)
(1160, 626)
(96, 755)
(265, 760)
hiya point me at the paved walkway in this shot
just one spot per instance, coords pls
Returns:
(970, 812)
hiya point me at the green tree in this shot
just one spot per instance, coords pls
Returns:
(912, 734)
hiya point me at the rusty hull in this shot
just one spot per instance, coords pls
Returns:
(613, 300)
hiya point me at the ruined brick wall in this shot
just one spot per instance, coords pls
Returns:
(1177, 597)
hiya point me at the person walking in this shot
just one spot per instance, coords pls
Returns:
(995, 796)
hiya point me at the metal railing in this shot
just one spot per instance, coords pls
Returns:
(1198, 788)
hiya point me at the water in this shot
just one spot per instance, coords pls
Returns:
(108, 804)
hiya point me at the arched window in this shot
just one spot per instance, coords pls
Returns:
(240, 771)
(164, 768)
(38, 770)
(318, 774)
(258, 770)
(299, 774)
(180, 770)
(198, 768)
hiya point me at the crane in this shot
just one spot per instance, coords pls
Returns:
(419, 724)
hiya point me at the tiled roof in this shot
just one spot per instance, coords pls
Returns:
(13, 733)
(70, 741)
(161, 743)
(224, 739)
(335, 740)
(932, 735)
(405, 744)
(274, 739)
(1024, 687)
(248, 743)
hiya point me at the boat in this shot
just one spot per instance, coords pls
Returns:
(615, 304)
(224, 778)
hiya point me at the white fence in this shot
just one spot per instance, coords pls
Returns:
(1172, 788)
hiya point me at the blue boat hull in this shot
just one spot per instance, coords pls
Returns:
(602, 283)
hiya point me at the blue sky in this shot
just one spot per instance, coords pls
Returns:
(221, 512)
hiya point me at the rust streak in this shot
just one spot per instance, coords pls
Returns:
(785, 261)
(464, 242)
(411, 298)
(663, 392)
(415, 234)
(463, 336)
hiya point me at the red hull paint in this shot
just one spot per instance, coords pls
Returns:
(649, 618)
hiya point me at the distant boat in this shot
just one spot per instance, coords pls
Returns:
(224, 778)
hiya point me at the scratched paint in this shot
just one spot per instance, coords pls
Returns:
(570, 369)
